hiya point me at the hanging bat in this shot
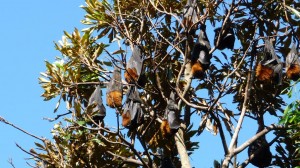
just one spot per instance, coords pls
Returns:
(133, 114)
(293, 64)
(99, 111)
(260, 149)
(200, 58)
(114, 91)
(270, 68)
(226, 40)
(190, 16)
(133, 73)
(170, 123)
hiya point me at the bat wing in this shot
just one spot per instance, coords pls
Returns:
(135, 60)
(202, 37)
(227, 40)
(278, 73)
(171, 113)
(133, 106)
(292, 57)
(96, 98)
(134, 67)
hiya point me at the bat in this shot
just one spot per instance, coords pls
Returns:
(133, 114)
(270, 68)
(260, 149)
(226, 40)
(99, 110)
(170, 123)
(190, 16)
(200, 58)
(134, 68)
(114, 92)
(293, 64)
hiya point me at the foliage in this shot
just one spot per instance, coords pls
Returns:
(160, 30)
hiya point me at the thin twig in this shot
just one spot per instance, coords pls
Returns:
(22, 130)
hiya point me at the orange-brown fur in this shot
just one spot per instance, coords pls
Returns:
(114, 99)
(263, 73)
(131, 75)
(293, 72)
(197, 70)
(165, 129)
(126, 119)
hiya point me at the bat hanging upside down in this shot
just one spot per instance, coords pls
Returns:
(200, 58)
(134, 66)
(226, 40)
(99, 109)
(114, 91)
(170, 123)
(132, 115)
(270, 68)
(293, 64)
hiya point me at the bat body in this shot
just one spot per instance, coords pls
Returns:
(200, 58)
(263, 157)
(99, 111)
(226, 40)
(114, 90)
(134, 67)
(132, 115)
(170, 123)
(270, 68)
(293, 64)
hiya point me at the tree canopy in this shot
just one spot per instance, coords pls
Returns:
(158, 65)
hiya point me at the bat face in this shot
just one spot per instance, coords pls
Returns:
(270, 68)
(293, 64)
(133, 114)
(226, 40)
(99, 109)
(171, 122)
(114, 90)
(134, 66)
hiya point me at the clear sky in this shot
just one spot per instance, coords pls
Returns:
(28, 30)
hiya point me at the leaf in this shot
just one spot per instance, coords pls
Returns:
(39, 145)
(81, 123)
(294, 11)
(98, 141)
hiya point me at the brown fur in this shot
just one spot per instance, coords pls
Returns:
(131, 75)
(114, 99)
(165, 129)
(293, 72)
(126, 119)
(197, 70)
(264, 73)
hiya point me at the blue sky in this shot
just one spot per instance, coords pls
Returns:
(28, 30)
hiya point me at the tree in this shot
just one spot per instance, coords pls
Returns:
(171, 74)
